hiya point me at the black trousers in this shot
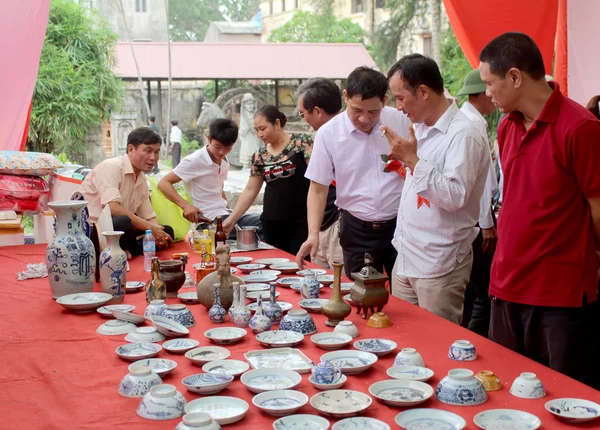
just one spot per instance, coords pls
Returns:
(129, 241)
(287, 235)
(176, 154)
(560, 338)
(358, 236)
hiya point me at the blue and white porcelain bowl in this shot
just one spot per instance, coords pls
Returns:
(225, 335)
(279, 338)
(401, 393)
(180, 346)
(460, 388)
(138, 382)
(204, 354)
(298, 320)
(83, 302)
(207, 383)
(228, 367)
(360, 423)
(331, 340)
(462, 350)
(198, 421)
(301, 422)
(573, 410)
(379, 347)
(280, 403)
(527, 386)
(160, 366)
(138, 351)
(351, 362)
(168, 327)
(410, 357)
(410, 373)
(312, 305)
(107, 310)
(326, 387)
(180, 314)
(163, 402)
(429, 418)
(261, 380)
(189, 298)
(144, 334)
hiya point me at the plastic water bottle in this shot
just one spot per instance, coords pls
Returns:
(149, 250)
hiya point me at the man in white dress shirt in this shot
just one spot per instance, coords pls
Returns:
(447, 162)
(175, 137)
(348, 149)
(477, 303)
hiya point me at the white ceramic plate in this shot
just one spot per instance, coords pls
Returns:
(573, 410)
(115, 328)
(285, 306)
(168, 327)
(341, 403)
(134, 286)
(256, 287)
(289, 280)
(317, 272)
(301, 422)
(400, 393)
(290, 267)
(279, 358)
(129, 317)
(144, 334)
(206, 383)
(161, 366)
(190, 298)
(235, 260)
(107, 310)
(253, 295)
(280, 402)
(410, 373)
(498, 419)
(180, 346)
(325, 387)
(228, 367)
(261, 380)
(312, 305)
(83, 302)
(360, 423)
(266, 272)
(225, 335)
(345, 286)
(204, 354)
(325, 279)
(331, 340)
(429, 418)
(261, 279)
(379, 347)
(138, 351)
(247, 268)
(350, 362)
(223, 409)
(279, 338)
(270, 261)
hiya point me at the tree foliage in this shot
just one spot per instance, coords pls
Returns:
(76, 87)
(312, 27)
(189, 19)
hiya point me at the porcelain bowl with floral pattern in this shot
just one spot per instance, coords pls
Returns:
(280, 403)
(207, 383)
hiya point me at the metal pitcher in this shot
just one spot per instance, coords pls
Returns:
(247, 237)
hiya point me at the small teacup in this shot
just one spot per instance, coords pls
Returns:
(462, 350)
(527, 386)
(489, 380)
(409, 357)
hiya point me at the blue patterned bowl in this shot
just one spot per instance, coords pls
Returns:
(462, 350)
(280, 403)
(460, 388)
(163, 402)
(298, 320)
(207, 383)
(180, 314)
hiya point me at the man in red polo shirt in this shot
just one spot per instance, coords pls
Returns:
(544, 274)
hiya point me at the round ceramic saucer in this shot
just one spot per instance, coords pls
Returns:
(360, 423)
(410, 373)
(229, 367)
(159, 365)
(256, 287)
(301, 421)
(180, 346)
(234, 260)
(287, 281)
(107, 310)
(138, 351)
(317, 272)
(133, 286)
(573, 410)
(499, 419)
(270, 261)
(285, 306)
(429, 418)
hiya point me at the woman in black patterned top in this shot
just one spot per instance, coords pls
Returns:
(281, 164)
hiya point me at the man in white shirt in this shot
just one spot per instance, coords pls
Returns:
(477, 303)
(447, 162)
(204, 173)
(348, 149)
(175, 138)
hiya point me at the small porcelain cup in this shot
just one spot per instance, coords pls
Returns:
(527, 386)
(462, 350)
(409, 357)
(346, 327)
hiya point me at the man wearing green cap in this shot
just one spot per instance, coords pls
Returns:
(474, 108)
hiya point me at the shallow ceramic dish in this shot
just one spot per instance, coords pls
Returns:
(258, 279)
(138, 351)
(253, 295)
(573, 410)
(235, 260)
(204, 354)
(134, 286)
(345, 287)
(351, 362)
(312, 305)
(207, 383)
(360, 423)
(325, 279)
(279, 338)
(190, 298)
(317, 272)
(285, 268)
(410, 373)
(162, 402)
(499, 419)
(247, 268)
(301, 422)
(331, 340)
(107, 310)
(267, 272)
(225, 335)
(285, 306)
(226, 367)
(279, 358)
(180, 346)
(289, 280)
(270, 261)
(326, 387)
(223, 409)
(261, 380)
(341, 403)
(161, 366)
(429, 418)
(168, 327)
(83, 302)
(379, 347)
(256, 287)
(129, 317)
(115, 328)
(145, 334)
(401, 393)
(280, 403)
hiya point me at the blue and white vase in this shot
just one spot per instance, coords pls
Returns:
(217, 312)
(241, 314)
(272, 308)
(236, 300)
(70, 256)
(113, 267)
(155, 308)
(310, 288)
(260, 322)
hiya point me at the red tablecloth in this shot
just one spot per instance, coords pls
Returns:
(58, 373)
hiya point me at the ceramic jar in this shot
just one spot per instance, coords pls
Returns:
(242, 315)
(70, 256)
(336, 309)
(462, 350)
(272, 308)
(310, 288)
(236, 301)
(489, 380)
(155, 308)
(198, 421)
(163, 402)
(172, 272)
(346, 327)
(409, 357)
(259, 321)
(298, 320)
(113, 267)
(527, 386)
(138, 382)
(326, 373)
(460, 388)
(180, 314)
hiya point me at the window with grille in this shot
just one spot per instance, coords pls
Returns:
(140, 6)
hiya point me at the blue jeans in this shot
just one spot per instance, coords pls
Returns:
(246, 220)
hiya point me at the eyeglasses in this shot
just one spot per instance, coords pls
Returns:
(302, 113)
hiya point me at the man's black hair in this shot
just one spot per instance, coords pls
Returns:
(416, 70)
(152, 118)
(174, 122)
(367, 83)
(320, 92)
(223, 130)
(143, 135)
(513, 50)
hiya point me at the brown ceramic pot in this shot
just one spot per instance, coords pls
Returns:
(172, 272)
(222, 276)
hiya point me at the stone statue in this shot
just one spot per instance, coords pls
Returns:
(250, 141)
(209, 112)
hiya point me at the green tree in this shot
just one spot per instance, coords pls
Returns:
(309, 27)
(76, 87)
(189, 19)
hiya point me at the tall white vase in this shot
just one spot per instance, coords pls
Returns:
(70, 256)
(113, 267)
